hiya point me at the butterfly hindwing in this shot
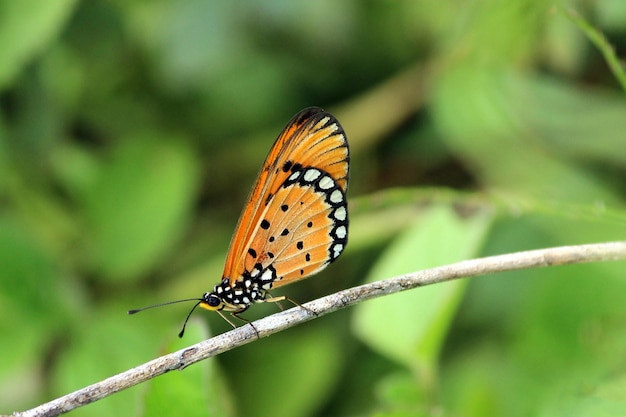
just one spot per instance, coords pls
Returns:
(303, 228)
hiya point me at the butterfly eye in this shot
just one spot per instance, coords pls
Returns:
(210, 301)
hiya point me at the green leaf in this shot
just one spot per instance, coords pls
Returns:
(539, 340)
(410, 327)
(601, 399)
(30, 305)
(501, 122)
(477, 383)
(28, 275)
(290, 374)
(26, 26)
(138, 206)
(398, 391)
(107, 342)
(198, 390)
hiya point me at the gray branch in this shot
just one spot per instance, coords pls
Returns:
(611, 251)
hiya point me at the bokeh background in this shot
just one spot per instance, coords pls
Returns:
(131, 132)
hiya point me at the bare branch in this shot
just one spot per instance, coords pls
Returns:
(611, 251)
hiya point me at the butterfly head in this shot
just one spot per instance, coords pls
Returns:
(212, 302)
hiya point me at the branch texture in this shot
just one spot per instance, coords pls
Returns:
(283, 320)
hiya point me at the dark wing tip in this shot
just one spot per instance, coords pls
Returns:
(309, 112)
(312, 115)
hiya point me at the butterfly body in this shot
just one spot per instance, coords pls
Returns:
(295, 222)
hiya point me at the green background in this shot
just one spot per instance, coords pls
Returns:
(131, 132)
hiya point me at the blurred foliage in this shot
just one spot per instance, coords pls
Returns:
(131, 131)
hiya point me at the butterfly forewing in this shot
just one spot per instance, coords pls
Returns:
(296, 215)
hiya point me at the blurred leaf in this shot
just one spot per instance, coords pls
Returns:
(564, 47)
(400, 394)
(198, 390)
(106, 343)
(44, 215)
(26, 26)
(604, 399)
(439, 237)
(477, 382)
(400, 413)
(138, 206)
(378, 216)
(76, 168)
(472, 36)
(28, 287)
(304, 363)
(31, 306)
(190, 41)
(565, 118)
(20, 375)
(562, 326)
(62, 78)
(611, 13)
(370, 227)
(4, 157)
(603, 45)
(484, 116)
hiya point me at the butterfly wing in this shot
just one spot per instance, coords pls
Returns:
(296, 216)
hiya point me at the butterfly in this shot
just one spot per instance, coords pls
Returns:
(295, 221)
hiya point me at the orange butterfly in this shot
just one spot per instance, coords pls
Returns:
(295, 221)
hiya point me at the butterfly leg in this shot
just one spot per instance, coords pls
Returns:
(236, 315)
(226, 318)
(277, 300)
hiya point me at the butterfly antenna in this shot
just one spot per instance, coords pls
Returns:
(182, 332)
(137, 310)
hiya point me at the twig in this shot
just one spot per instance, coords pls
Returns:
(564, 255)
(601, 42)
